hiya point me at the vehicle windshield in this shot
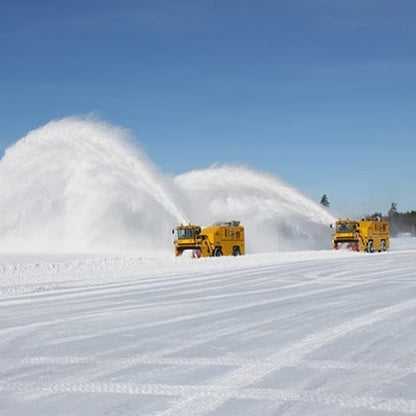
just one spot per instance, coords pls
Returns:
(346, 227)
(185, 233)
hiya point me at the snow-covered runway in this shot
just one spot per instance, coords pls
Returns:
(306, 333)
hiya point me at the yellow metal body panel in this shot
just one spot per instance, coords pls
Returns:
(365, 235)
(219, 239)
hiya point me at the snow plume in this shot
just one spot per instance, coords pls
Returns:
(276, 216)
(80, 184)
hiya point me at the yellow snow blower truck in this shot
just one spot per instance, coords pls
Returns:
(219, 239)
(366, 235)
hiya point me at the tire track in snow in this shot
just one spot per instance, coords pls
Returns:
(192, 316)
(36, 326)
(208, 393)
(289, 356)
(160, 284)
(234, 385)
(156, 359)
(243, 392)
(108, 366)
(93, 295)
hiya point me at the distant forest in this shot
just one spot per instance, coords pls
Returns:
(400, 222)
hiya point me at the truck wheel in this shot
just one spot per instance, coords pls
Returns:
(217, 252)
(383, 246)
(370, 247)
(236, 251)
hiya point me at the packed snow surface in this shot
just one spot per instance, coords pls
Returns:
(294, 333)
(81, 184)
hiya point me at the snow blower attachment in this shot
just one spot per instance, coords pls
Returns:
(365, 235)
(224, 238)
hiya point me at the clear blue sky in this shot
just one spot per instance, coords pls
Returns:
(321, 93)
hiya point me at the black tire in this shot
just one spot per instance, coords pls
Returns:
(370, 247)
(383, 245)
(217, 252)
(236, 251)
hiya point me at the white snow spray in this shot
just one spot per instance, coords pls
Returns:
(276, 216)
(82, 185)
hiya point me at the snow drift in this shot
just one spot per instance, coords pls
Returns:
(81, 184)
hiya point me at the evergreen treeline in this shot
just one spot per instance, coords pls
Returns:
(400, 222)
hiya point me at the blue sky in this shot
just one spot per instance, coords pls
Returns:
(321, 93)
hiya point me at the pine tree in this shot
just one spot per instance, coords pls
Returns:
(324, 201)
(394, 219)
(392, 210)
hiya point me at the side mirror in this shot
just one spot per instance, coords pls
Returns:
(331, 226)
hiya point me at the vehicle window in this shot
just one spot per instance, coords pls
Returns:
(343, 227)
(185, 233)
